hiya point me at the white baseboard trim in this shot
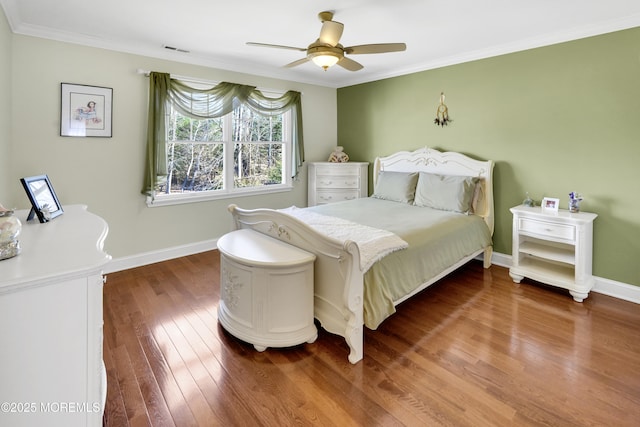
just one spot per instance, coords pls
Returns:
(603, 286)
(618, 290)
(501, 259)
(125, 263)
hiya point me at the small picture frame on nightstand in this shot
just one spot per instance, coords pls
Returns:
(550, 204)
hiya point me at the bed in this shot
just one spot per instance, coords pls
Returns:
(430, 213)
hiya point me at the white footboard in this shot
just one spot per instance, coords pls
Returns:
(338, 280)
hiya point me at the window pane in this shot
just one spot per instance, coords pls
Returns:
(257, 164)
(193, 167)
(250, 126)
(183, 128)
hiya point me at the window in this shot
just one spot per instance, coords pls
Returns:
(240, 152)
(220, 145)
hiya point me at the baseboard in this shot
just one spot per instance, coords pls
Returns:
(618, 290)
(501, 259)
(146, 258)
(603, 286)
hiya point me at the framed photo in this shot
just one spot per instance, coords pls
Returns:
(85, 110)
(44, 202)
(550, 204)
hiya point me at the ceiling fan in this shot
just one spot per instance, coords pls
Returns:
(327, 51)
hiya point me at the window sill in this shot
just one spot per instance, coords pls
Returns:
(205, 196)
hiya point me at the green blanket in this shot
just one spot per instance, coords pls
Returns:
(437, 240)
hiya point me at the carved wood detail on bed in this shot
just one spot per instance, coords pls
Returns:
(445, 163)
(338, 279)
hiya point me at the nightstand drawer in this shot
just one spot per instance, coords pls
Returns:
(547, 229)
(337, 181)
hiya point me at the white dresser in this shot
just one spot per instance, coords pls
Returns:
(266, 290)
(335, 182)
(553, 248)
(51, 368)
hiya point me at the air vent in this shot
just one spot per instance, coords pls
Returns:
(177, 49)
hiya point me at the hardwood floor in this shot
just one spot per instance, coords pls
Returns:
(472, 350)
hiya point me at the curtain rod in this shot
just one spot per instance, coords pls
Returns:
(203, 81)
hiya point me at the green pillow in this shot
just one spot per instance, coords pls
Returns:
(396, 186)
(446, 192)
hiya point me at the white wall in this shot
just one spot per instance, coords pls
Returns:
(5, 110)
(106, 173)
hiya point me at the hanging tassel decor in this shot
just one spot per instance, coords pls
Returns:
(442, 114)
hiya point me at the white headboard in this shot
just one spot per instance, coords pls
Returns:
(444, 163)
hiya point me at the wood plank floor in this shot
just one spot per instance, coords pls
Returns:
(472, 350)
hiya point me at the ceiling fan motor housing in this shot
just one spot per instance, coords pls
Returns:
(322, 49)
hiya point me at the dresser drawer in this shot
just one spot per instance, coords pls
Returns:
(337, 169)
(332, 196)
(547, 229)
(337, 181)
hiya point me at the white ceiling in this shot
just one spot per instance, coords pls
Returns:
(437, 32)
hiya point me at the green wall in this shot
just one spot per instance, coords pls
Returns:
(555, 119)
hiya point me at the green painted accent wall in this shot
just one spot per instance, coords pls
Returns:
(555, 119)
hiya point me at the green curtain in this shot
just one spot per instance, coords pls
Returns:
(209, 103)
(156, 158)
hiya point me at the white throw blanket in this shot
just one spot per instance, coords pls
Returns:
(373, 243)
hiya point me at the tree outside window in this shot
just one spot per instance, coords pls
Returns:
(241, 150)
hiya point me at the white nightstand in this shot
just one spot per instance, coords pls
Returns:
(335, 182)
(553, 248)
(266, 290)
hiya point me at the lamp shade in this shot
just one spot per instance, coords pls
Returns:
(325, 61)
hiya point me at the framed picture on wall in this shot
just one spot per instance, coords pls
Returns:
(44, 202)
(85, 110)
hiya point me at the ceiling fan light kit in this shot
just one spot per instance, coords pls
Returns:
(326, 51)
(324, 56)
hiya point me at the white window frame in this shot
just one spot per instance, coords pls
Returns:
(228, 191)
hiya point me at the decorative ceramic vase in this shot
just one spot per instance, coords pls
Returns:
(338, 156)
(10, 228)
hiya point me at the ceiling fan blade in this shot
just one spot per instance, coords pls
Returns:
(350, 64)
(277, 46)
(375, 48)
(296, 63)
(331, 32)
